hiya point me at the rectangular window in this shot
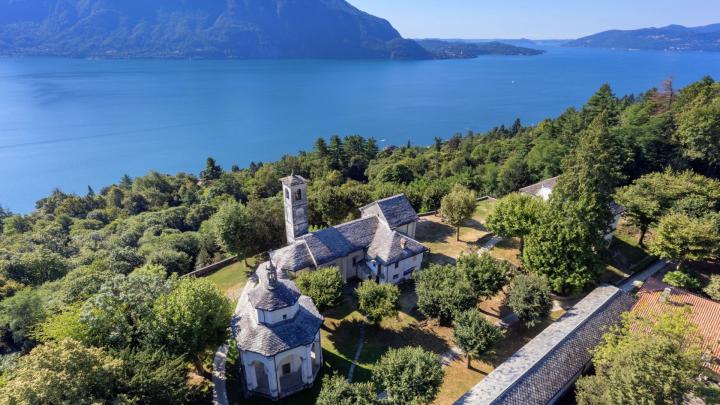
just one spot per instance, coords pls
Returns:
(397, 265)
(354, 261)
(395, 277)
(286, 369)
(287, 194)
(408, 272)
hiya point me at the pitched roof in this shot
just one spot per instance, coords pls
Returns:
(293, 180)
(534, 189)
(704, 313)
(293, 257)
(390, 246)
(544, 367)
(284, 294)
(395, 211)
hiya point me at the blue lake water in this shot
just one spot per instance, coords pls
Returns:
(73, 123)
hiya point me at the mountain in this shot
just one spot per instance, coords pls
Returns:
(670, 38)
(199, 29)
(442, 49)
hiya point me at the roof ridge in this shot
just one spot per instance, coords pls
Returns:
(381, 200)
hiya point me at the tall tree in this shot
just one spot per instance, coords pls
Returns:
(237, 231)
(212, 171)
(458, 206)
(602, 103)
(515, 215)
(683, 239)
(192, 318)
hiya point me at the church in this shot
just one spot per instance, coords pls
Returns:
(379, 246)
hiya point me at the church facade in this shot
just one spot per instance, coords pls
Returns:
(380, 245)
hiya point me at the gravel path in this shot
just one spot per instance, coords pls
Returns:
(218, 376)
(361, 342)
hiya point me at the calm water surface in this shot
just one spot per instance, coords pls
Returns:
(72, 123)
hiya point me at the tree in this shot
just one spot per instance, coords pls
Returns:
(515, 215)
(377, 301)
(119, 315)
(458, 206)
(237, 231)
(444, 291)
(487, 275)
(681, 239)
(713, 287)
(645, 361)
(321, 147)
(698, 131)
(512, 174)
(409, 375)
(474, 334)
(561, 248)
(153, 377)
(602, 103)
(324, 286)
(192, 318)
(21, 313)
(63, 373)
(336, 390)
(397, 173)
(212, 171)
(682, 280)
(529, 298)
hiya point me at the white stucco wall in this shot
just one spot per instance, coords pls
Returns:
(396, 275)
(272, 317)
(408, 229)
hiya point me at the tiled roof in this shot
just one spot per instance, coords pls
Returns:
(391, 246)
(284, 294)
(534, 189)
(293, 257)
(293, 180)
(395, 211)
(539, 371)
(704, 313)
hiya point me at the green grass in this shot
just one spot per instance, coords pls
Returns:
(233, 277)
(483, 209)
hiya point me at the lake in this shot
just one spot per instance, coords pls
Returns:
(72, 123)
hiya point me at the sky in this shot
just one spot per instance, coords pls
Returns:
(535, 19)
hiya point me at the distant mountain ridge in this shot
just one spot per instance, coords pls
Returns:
(199, 29)
(669, 38)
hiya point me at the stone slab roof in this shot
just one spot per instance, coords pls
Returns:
(539, 371)
(293, 180)
(284, 294)
(534, 189)
(391, 246)
(704, 313)
(269, 340)
(395, 211)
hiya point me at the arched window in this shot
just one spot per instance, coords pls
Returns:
(298, 194)
(287, 194)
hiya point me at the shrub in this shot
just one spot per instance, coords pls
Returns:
(377, 301)
(324, 286)
(409, 375)
(681, 279)
(529, 297)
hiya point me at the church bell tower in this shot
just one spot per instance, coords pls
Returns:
(295, 201)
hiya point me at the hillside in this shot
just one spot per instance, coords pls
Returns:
(464, 50)
(198, 29)
(670, 38)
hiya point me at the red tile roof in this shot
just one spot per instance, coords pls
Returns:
(704, 313)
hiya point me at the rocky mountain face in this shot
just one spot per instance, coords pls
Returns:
(199, 29)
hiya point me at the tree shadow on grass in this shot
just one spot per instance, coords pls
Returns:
(345, 336)
(431, 231)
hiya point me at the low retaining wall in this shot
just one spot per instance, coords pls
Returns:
(212, 268)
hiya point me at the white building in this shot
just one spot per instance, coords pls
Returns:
(277, 332)
(545, 188)
(380, 245)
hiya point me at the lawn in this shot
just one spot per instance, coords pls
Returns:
(441, 238)
(232, 279)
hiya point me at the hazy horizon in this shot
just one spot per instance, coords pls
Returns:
(558, 19)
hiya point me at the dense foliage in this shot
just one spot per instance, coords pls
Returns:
(529, 298)
(377, 301)
(68, 269)
(336, 390)
(645, 361)
(324, 286)
(409, 375)
(486, 274)
(474, 334)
